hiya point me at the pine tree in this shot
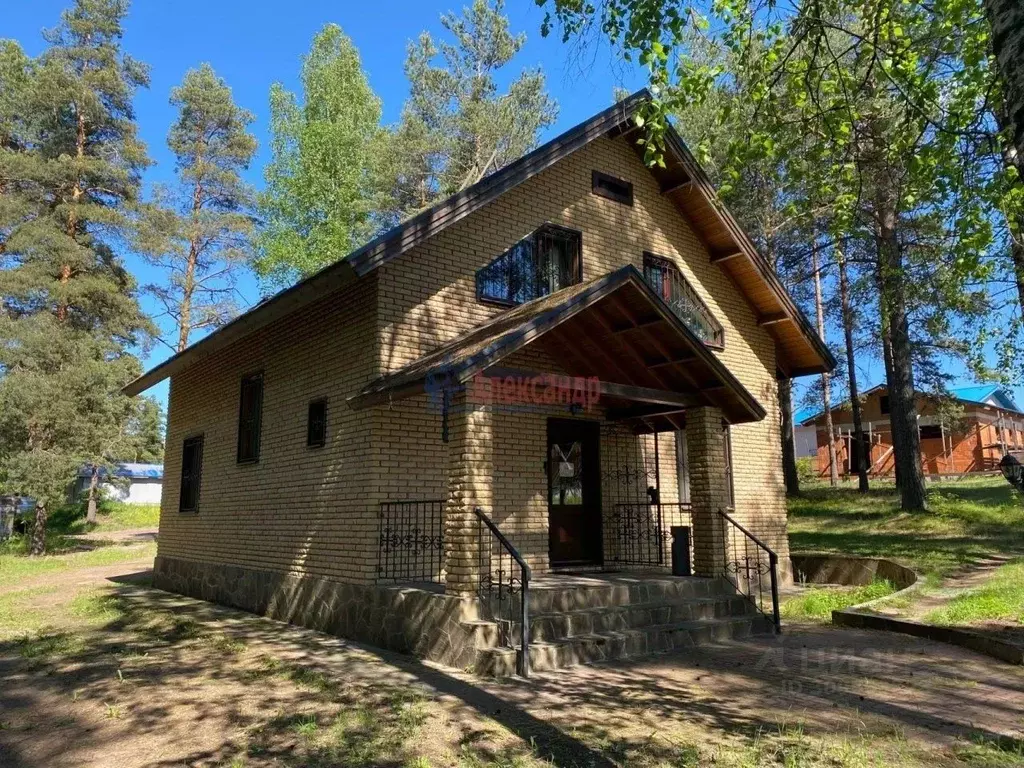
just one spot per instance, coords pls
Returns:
(319, 200)
(456, 127)
(198, 232)
(70, 170)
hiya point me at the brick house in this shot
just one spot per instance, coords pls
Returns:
(550, 371)
(988, 426)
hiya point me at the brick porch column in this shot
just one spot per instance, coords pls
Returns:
(470, 485)
(705, 447)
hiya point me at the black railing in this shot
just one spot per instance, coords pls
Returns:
(643, 532)
(748, 560)
(504, 588)
(410, 548)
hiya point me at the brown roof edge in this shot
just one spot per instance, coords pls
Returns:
(318, 286)
(400, 238)
(406, 235)
(767, 272)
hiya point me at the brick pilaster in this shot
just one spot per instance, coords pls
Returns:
(705, 446)
(470, 484)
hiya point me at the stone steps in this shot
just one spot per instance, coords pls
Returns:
(624, 644)
(589, 620)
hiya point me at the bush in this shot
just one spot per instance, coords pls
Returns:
(806, 469)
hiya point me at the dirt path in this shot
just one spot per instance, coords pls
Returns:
(126, 536)
(210, 680)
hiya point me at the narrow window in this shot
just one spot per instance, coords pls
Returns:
(668, 282)
(614, 189)
(883, 404)
(729, 478)
(191, 474)
(250, 411)
(316, 424)
(546, 261)
(682, 466)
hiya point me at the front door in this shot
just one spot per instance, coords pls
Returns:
(574, 492)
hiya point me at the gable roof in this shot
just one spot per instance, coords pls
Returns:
(978, 394)
(588, 316)
(682, 180)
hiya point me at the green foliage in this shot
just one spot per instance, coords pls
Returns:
(318, 204)
(70, 165)
(456, 126)
(198, 232)
(817, 603)
(1000, 598)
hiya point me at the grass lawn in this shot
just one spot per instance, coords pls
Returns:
(1000, 598)
(817, 603)
(968, 521)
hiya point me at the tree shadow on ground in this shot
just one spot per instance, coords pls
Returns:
(592, 716)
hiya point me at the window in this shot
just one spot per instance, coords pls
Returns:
(544, 262)
(614, 189)
(668, 282)
(250, 409)
(931, 432)
(316, 424)
(729, 482)
(683, 466)
(191, 474)
(883, 404)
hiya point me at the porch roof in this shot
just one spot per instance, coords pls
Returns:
(651, 366)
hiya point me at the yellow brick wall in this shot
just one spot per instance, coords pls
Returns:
(428, 296)
(314, 511)
(298, 509)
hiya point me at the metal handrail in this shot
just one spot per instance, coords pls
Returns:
(735, 566)
(523, 662)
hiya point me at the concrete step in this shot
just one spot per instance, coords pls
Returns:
(585, 593)
(623, 644)
(588, 621)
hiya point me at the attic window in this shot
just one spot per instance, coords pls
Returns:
(668, 282)
(614, 189)
(883, 404)
(545, 261)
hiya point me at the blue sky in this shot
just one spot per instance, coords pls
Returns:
(254, 43)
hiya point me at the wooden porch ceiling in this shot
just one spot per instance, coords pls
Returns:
(615, 328)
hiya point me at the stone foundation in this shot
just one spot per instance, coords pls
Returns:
(408, 620)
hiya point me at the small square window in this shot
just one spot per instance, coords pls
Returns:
(615, 189)
(191, 474)
(316, 424)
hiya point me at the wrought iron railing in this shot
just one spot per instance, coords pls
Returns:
(643, 532)
(504, 588)
(748, 560)
(410, 547)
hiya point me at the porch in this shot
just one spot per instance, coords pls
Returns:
(563, 422)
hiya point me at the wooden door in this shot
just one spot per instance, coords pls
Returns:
(574, 492)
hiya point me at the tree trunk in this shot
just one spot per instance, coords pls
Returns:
(1012, 159)
(94, 482)
(38, 545)
(826, 385)
(902, 405)
(861, 454)
(788, 447)
(1006, 18)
